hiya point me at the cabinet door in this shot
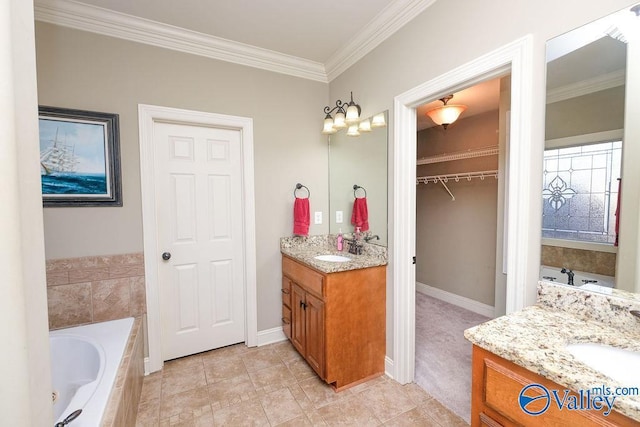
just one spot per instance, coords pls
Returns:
(314, 310)
(298, 319)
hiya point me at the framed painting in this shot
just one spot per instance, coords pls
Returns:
(79, 158)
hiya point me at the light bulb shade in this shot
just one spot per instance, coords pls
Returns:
(353, 131)
(339, 122)
(378, 121)
(365, 126)
(446, 114)
(328, 128)
(353, 115)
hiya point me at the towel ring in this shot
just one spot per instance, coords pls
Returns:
(356, 187)
(298, 187)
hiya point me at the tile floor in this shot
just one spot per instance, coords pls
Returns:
(273, 386)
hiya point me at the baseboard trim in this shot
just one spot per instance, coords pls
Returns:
(270, 336)
(460, 301)
(388, 367)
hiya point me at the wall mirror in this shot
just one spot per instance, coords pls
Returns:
(362, 161)
(586, 159)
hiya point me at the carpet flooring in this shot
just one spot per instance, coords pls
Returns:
(443, 355)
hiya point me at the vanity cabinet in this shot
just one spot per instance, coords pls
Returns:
(496, 385)
(336, 321)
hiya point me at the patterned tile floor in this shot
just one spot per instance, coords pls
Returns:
(273, 386)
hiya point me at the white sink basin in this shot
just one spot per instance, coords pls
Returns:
(616, 363)
(332, 258)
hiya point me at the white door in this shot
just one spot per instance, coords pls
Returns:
(198, 182)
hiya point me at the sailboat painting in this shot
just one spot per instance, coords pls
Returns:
(79, 158)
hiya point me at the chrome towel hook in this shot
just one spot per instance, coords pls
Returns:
(298, 187)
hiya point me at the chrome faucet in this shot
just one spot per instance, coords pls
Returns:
(371, 237)
(569, 274)
(354, 246)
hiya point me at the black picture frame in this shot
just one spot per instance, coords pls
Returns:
(79, 158)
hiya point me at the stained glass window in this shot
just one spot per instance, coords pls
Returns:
(580, 192)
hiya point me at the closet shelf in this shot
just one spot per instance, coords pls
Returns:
(457, 176)
(459, 155)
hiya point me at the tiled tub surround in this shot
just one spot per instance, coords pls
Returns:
(535, 337)
(304, 249)
(122, 408)
(95, 289)
(579, 259)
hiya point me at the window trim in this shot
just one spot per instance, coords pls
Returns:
(578, 244)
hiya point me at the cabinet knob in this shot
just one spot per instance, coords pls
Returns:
(303, 305)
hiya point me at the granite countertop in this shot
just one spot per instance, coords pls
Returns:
(304, 249)
(535, 337)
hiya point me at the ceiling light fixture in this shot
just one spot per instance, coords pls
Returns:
(446, 114)
(347, 114)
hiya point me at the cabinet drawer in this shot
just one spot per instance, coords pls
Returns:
(303, 276)
(286, 321)
(286, 292)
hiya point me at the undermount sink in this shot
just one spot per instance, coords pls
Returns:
(616, 363)
(332, 258)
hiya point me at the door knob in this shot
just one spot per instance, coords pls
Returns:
(166, 256)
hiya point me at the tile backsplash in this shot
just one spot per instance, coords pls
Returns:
(95, 289)
(579, 259)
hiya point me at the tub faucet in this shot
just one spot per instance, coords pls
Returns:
(569, 274)
(72, 416)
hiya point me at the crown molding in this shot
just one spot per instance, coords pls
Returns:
(384, 25)
(585, 87)
(80, 16)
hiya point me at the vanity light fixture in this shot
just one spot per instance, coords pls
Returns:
(353, 130)
(378, 121)
(446, 114)
(365, 126)
(347, 114)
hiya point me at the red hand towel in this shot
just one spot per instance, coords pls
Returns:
(301, 218)
(360, 214)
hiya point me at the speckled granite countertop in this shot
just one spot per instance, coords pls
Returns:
(535, 337)
(304, 249)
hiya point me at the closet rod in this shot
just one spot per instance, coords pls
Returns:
(456, 177)
(459, 155)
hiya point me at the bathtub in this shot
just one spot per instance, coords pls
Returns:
(84, 365)
(582, 280)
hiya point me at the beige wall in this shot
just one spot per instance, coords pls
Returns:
(456, 240)
(596, 112)
(447, 35)
(87, 71)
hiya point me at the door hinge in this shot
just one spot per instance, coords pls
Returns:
(414, 260)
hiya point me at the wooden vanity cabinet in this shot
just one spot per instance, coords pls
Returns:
(336, 321)
(496, 385)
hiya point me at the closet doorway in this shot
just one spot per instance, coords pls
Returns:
(459, 234)
(521, 258)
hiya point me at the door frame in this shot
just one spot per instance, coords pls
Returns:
(524, 169)
(148, 115)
